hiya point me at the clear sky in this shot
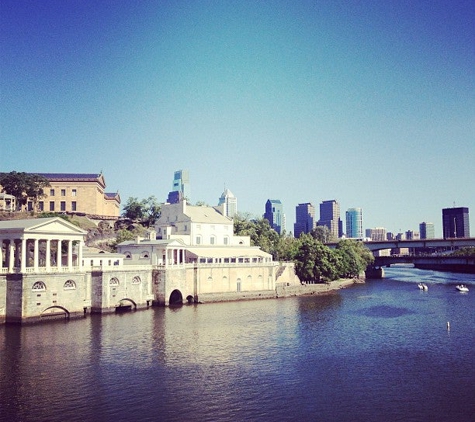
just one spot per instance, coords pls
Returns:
(371, 103)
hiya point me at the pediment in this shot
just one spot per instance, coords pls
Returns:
(57, 226)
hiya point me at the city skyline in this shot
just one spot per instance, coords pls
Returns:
(372, 104)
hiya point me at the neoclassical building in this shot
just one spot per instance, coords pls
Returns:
(80, 193)
(46, 270)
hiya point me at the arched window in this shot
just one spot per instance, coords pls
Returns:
(128, 255)
(39, 286)
(136, 280)
(144, 255)
(69, 285)
(210, 279)
(114, 282)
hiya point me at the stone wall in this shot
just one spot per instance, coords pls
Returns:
(63, 295)
(125, 287)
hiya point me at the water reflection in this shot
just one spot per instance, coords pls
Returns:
(332, 357)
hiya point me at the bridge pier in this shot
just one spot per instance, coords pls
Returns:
(374, 272)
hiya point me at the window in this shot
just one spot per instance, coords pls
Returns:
(51, 192)
(226, 240)
(69, 285)
(128, 255)
(198, 240)
(63, 205)
(63, 192)
(51, 205)
(136, 280)
(73, 192)
(41, 206)
(39, 286)
(30, 206)
(144, 255)
(73, 206)
(114, 282)
(211, 240)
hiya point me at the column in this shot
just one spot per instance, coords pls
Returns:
(23, 255)
(58, 255)
(70, 255)
(11, 255)
(35, 255)
(48, 254)
(80, 254)
(1, 254)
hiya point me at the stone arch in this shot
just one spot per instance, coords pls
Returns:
(176, 298)
(125, 305)
(55, 312)
(136, 280)
(145, 255)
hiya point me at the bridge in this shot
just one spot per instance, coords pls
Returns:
(378, 245)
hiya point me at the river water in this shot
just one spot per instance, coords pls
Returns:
(380, 351)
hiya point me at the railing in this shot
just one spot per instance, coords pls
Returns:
(40, 270)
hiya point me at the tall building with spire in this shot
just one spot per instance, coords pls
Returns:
(330, 217)
(275, 215)
(227, 204)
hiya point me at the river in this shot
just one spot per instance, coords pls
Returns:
(379, 351)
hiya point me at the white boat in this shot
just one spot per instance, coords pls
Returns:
(462, 288)
(423, 286)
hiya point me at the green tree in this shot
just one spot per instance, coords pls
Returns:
(153, 209)
(355, 257)
(322, 234)
(134, 209)
(23, 186)
(145, 211)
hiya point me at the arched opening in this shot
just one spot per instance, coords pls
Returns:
(55, 312)
(125, 305)
(176, 298)
(190, 299)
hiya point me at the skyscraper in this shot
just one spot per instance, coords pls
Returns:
(181, 183)
(455, 222)
(227, 204)
(275, 215)
(304, 219)
(427, 230)
(354, 223)
(330, 217)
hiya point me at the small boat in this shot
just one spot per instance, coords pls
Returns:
(423, 286)
(462, 288)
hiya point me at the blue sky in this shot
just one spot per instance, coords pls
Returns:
(371, 103)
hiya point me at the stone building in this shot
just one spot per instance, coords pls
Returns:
(78, 193)
(45, 270)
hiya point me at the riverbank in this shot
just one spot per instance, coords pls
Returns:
(282, 290)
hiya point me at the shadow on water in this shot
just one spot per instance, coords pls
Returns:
(384, 311)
